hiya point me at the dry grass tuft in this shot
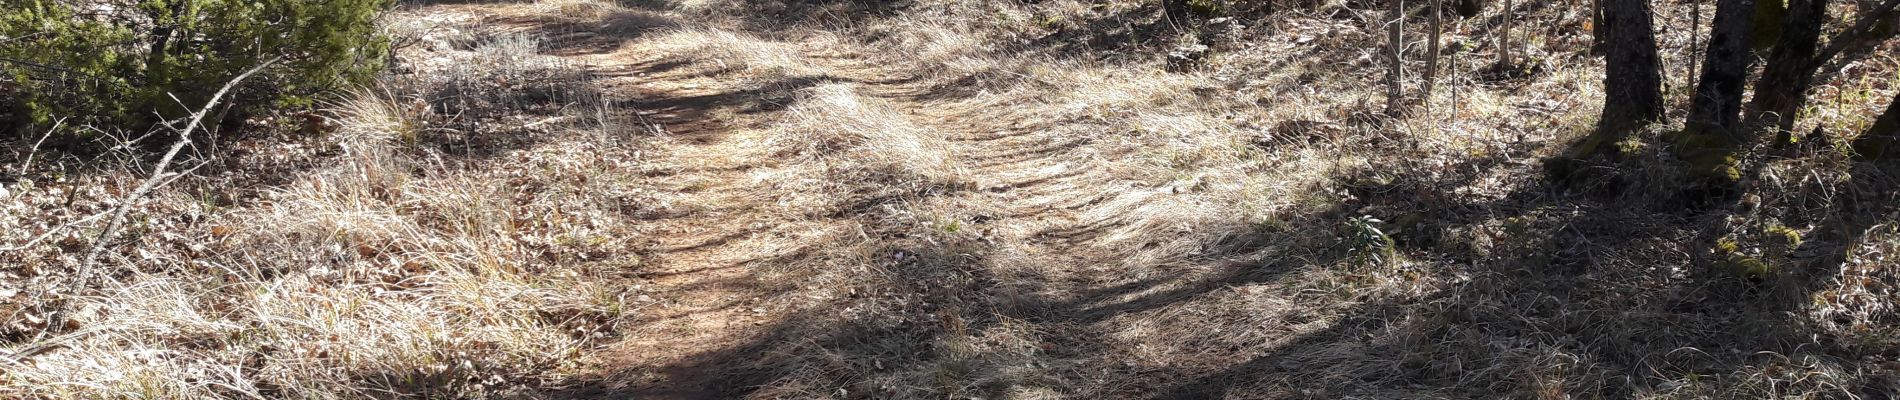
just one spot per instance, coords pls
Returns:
(596, 17)
(985, 200)
(577, 9)
(864, 139)
(758, 60)
(360, 279)
(384, 271)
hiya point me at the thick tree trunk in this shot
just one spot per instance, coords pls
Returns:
(1882, 141)
(1768, 23)
(1695, 35)
(1783, 87)
(1632, 83)
(1885, 25)
(1713, 137)
(1395, 75)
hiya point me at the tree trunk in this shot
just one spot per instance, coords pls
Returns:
(1867, 25)
(1632, 84)
(1431, 52)
(1713, 137)
(166, 21)
(1504, 36)
(1783, 87)
(1470, 8)
(1597, 31)
(1882, 141)
(1395, 76)
(1176, 11)
(1886, 24)
(1695, 35)
(1768, 24)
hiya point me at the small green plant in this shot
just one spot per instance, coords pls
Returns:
(951, 226)
(1780, 240)
(1207, 8)
(1772, 246)
(1366, 242)
(131, 63)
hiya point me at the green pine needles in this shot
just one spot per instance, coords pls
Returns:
(130, 63)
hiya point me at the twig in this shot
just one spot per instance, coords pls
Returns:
(184, 138)
(51, 232)
(19, 357)
(28, 165)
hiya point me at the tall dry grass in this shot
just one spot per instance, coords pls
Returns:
(392, 268)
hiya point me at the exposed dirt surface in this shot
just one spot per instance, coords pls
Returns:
(1061, 268)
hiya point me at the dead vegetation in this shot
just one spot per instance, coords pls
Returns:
(1056, 199)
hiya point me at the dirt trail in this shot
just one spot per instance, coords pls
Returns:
(703, 294)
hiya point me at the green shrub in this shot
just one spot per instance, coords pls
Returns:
(129, 63)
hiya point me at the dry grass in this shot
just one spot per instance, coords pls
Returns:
(994, 200)
(861, 139)
(358, 280)
(387, 271)
(755, 59)
(597, 17)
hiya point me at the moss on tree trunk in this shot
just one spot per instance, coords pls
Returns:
(1632, 84)
(1712, 140)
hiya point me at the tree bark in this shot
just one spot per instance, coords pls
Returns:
(1783, 87)
(1176, 11)
(1713, 137)
(1866, 25)
(1504, 36)
(1395, 76)
(1431, 52)
(1632, 83)
(1769, 18)
(1882, 140)
(1695, 35)
(1470, 8)
(1597, 31)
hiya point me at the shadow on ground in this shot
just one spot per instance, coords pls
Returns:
(1532, 293)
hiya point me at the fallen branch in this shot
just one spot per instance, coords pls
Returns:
(28, 165)
(50, 232)
(1846, 38)
(158, 172)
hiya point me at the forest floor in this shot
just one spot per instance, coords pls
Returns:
(704, 199)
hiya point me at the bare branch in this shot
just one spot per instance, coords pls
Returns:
(158, 172)
(1839, 42)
